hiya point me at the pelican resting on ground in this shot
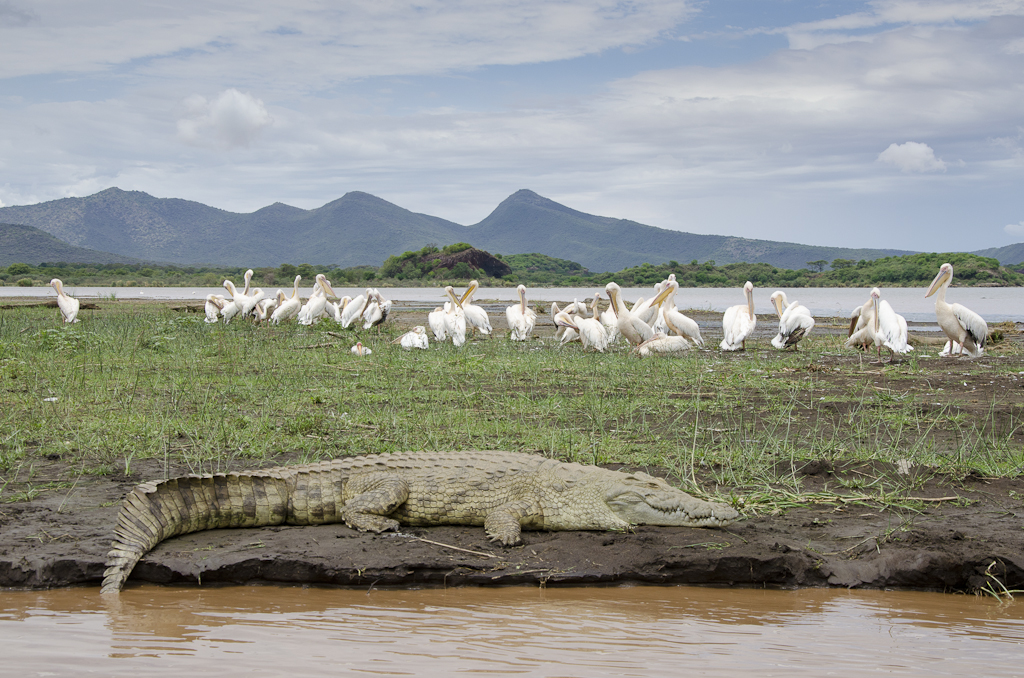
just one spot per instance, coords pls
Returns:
(876, 323)
(795, 321)
(68, 305)
(521, 318)
(962, 325)
(414, 338)
(290, 307)
(738, 322)
(663, 344)
(360, 350)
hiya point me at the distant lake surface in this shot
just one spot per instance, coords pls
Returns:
(995, 304)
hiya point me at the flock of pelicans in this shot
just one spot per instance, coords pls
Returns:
(651, 326)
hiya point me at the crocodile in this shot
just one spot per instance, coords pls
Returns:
(502, 491)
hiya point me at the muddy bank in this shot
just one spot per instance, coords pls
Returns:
(967, 535)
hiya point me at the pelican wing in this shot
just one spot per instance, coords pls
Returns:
(973, 324)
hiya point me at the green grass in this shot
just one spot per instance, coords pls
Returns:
(135, 382)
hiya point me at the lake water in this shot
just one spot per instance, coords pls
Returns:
(995, 304)
(586, 632)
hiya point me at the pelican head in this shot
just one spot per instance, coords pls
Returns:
(944, 277)
(450, 291)
(473, 285)
(779, 300)
(325, 285)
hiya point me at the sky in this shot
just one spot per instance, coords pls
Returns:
(884, 124)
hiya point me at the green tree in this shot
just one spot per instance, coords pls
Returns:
(818, 265)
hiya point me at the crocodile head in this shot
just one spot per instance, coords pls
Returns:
(640, 499)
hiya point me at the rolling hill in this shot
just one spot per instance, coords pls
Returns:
(29, 245)
(362, 229)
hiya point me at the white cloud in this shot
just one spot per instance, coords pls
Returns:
(232, 120)
(912, 157)
(1015, 230)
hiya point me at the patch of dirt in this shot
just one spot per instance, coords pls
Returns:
(968, 536)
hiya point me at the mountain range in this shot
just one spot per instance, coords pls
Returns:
(362, 229)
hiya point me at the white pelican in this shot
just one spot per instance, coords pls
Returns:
(68, 305)
(795, 321)
(629, 324)
(231, 308)
(663, 344)
(334, 311)
(266, 307)
(881, 326)
(436, 321)
(376, 311)
(354, 309)
(314, 308)
(962, 325)
(678, 323)
(738, 322)
(249, 303)
(521, 318)
(454, 318)
(360, 350)
(214, 306)
(414, 338)
(590, 330)
(476, 316)
(290, 308)
(568, 331)
(607, 318)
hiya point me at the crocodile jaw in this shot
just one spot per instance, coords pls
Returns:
(641, 499)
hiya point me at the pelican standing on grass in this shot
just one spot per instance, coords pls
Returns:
(878, 324)
(962, 325)
(454, 318)
(679, 323)
(214, 306)
(738, 322)
(476, 316)
(521, 318)
(68, 305)
(795, 321)
(355, 308)
(436, 321)
(591, 332)
(290, 307)
(314, 308)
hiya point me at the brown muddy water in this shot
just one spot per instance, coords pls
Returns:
(586, 632)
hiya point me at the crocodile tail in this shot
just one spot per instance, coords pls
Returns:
(155, 511)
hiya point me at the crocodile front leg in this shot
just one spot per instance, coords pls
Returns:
(504, 523)
(373, 497)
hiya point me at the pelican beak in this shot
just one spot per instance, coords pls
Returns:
(662, 296)
(473, 284)
(937, 283)
(329, 290)
(777, 302)
(874, 302)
